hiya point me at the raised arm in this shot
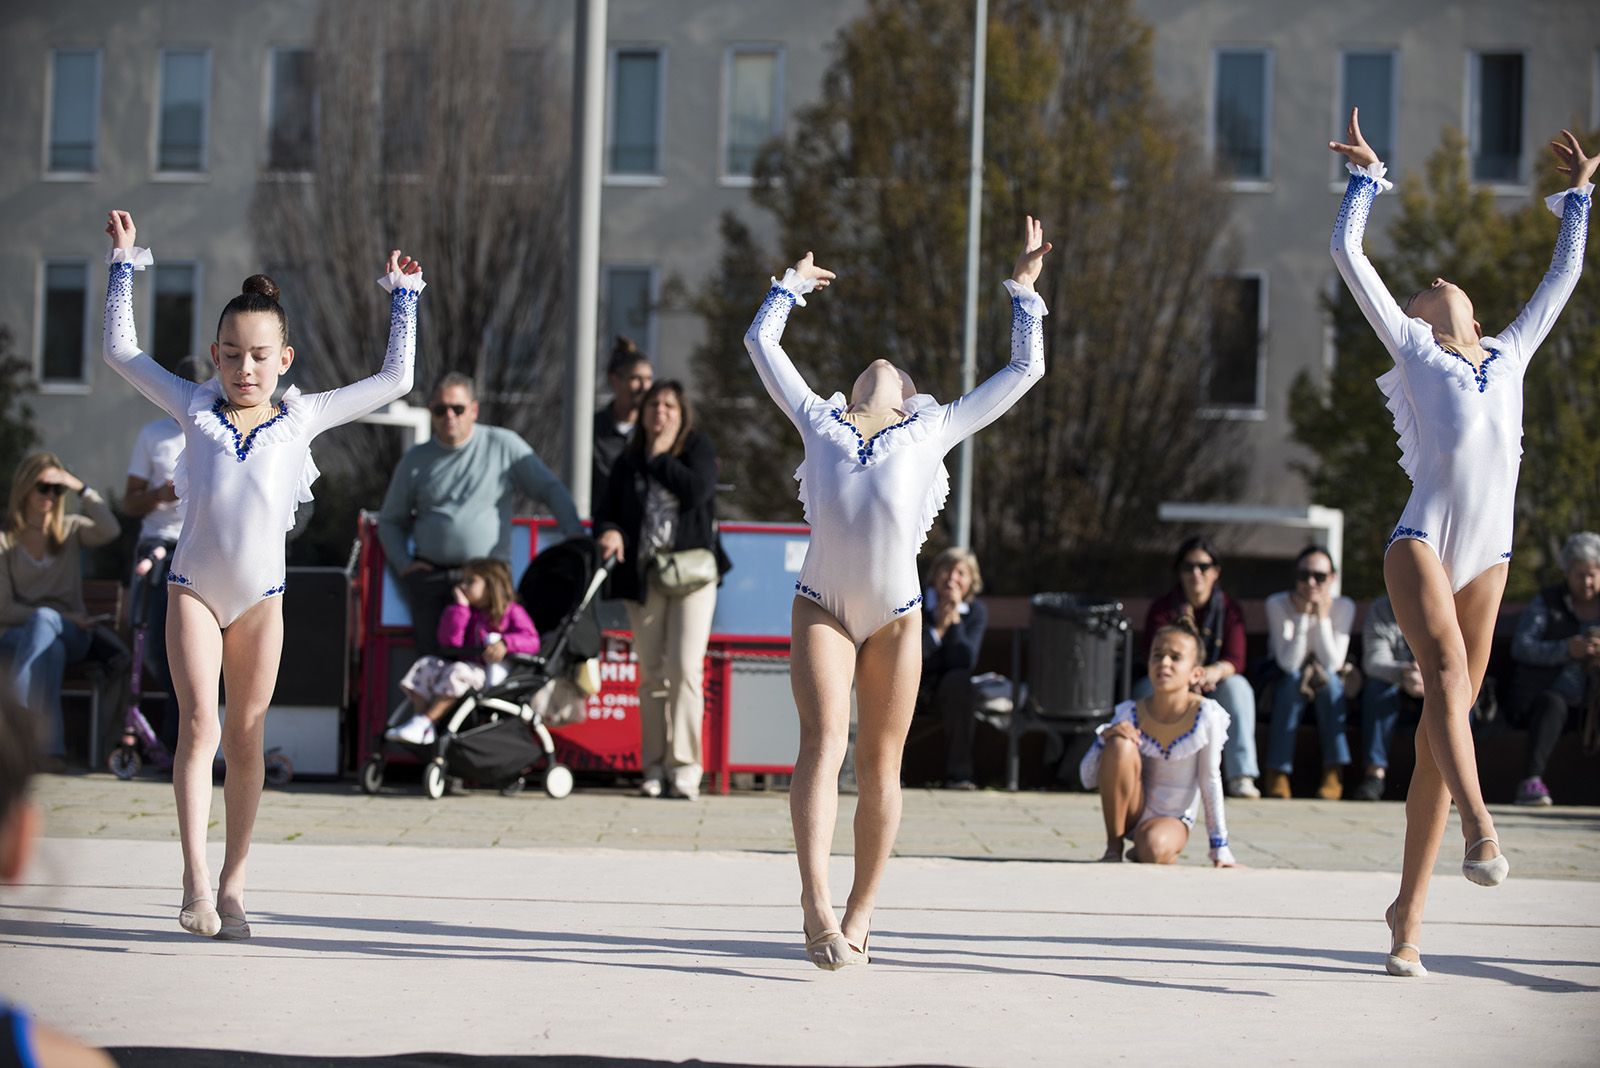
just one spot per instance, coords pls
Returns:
(763, 339)
(1533, 324)
(1371, 295)
(403, 280)
(967, 415)
(120, 338)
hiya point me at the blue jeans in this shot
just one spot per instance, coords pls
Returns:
(40, 651)
(1380, 710)
(1239, 701)
(148, 602)
(1287, 704)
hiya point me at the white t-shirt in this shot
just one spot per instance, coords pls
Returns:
(155, 455)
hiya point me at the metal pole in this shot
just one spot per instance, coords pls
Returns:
(969, 323)
(588, 134)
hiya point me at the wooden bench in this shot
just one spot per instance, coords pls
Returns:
(101, 597)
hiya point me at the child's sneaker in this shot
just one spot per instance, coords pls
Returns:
(1533, 792)
(418, 730)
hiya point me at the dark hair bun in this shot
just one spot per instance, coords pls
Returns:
(624, 346)
(260, 285)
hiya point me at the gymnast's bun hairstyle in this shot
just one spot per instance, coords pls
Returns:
(625, 355)
(258, 294)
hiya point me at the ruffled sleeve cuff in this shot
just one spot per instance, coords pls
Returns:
(395, 280)
(795, 285)
(1376, 171)
(1557, 202)
(139, 258)
(1032, 302)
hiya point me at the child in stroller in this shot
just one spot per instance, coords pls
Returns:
(495, 733)
(486, 619)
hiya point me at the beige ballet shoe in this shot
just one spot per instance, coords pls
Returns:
(828, 950)
(1491, 872)
(200, 917)
(234, 928)
(1396, 964)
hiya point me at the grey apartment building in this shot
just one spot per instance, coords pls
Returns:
(175, 109)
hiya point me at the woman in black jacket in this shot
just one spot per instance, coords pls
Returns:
(659, 507)
(955, 621)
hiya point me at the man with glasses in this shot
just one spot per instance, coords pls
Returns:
(1308, 631)
(450, 500)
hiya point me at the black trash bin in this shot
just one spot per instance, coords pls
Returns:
(1073, 678)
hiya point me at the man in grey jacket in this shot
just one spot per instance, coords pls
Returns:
(450, 500)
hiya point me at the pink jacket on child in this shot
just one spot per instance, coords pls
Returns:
(462, 625)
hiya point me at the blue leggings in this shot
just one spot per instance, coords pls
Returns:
(40, 651)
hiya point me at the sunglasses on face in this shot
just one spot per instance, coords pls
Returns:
(50, 489)
(454, 409)
(1307, 575)
(1199, 567)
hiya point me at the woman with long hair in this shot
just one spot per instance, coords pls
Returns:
(1456, 396)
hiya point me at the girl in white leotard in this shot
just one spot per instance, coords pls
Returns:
(872, 482)
(1457, 402)
(246, 465)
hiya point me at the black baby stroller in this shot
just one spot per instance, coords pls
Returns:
(497, 734)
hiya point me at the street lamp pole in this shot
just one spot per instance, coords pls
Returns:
(588, 134)
(969, 323)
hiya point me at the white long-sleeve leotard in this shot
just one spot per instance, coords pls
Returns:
(871, 501)
(1460, 427)
(1188, 770)
(240, 492)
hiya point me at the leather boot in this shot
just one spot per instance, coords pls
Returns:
(1275, 784)
(1332, 787)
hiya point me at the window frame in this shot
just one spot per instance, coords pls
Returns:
(652, 327)
(60, 386)
(203, 172)
(1520, 185)
(49, 173)
(1341, 113)
(269, 98)
(1256, 412)
(658, 178)
(779, 83)
(1264, 182)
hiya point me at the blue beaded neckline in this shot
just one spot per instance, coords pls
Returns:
(241, 445)
(1166, 751)
(1480, 372)
(864, 446)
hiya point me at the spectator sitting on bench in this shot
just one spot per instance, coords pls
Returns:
(1555, 683)
(45, 624)
(1158, 755)
(1393, 682)
(954, 624)
(1308, 630)
(1198, 597)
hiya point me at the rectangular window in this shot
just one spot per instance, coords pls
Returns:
(405, 109)
(753, 107)
(185, 101)
(1240, 113)
(635, 143)
(172, 340)
(74, 109)
(61, 351)
(521, 123)
(1369, 83)
(292, 115)
(1235, 344)
(1496, 119)
(630, 306)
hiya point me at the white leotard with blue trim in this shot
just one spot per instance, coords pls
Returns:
(871, 501)
(1460, 428)
(240, 493)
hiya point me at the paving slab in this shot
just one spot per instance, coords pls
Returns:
(374, 949)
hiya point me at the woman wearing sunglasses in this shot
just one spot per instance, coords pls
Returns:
(41, 584)
(1308, 629)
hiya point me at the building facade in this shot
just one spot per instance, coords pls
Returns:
(174, 109)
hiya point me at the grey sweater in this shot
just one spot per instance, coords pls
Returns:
(456, 504)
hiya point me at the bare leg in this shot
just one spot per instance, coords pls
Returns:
(887, 671)
(821, 668)
(194, 653)
(1428, 799)
(438, 707)
(1121, 792)
(250, 650)
(1160, 840)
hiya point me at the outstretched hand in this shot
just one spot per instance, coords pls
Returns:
(1572, 162)
(121, 229)
(1030, 261)
(1357, 149)
(401, 264)
(806, 267)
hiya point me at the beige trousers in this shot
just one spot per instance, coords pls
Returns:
(670, 635)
